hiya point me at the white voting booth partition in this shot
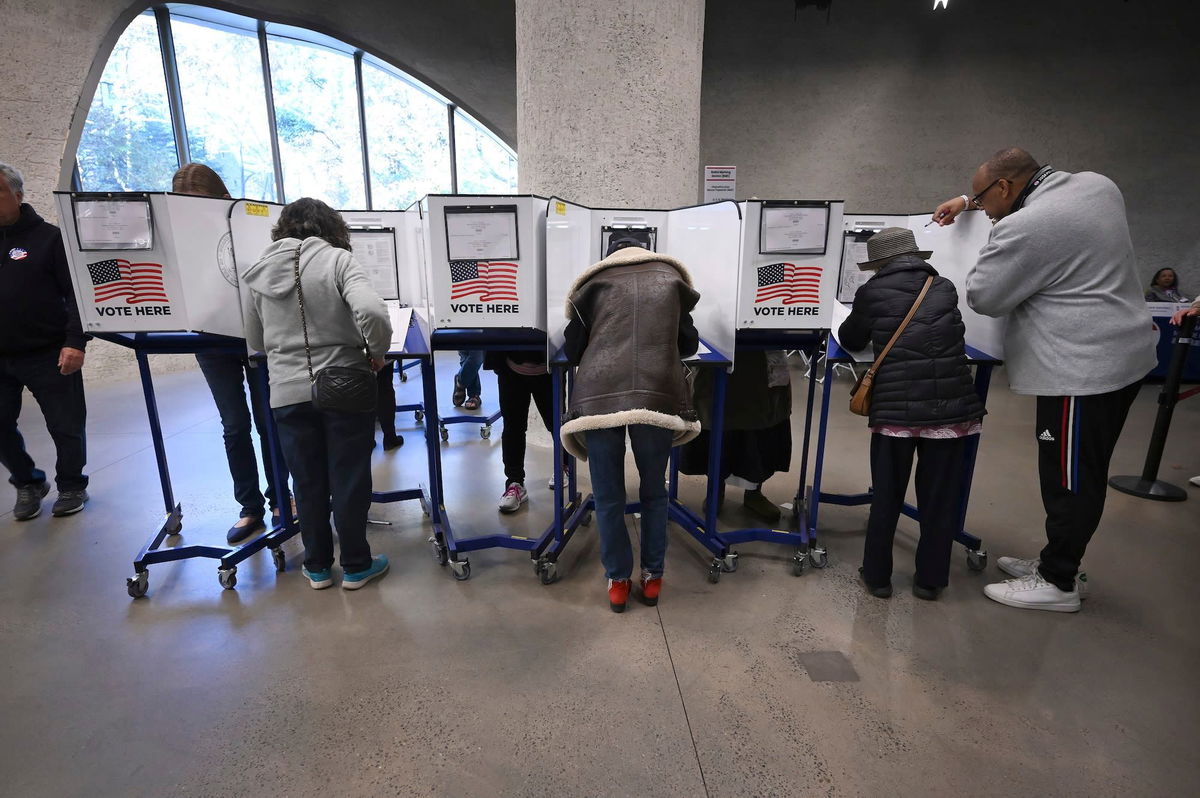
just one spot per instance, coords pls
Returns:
(791, 250)
(151, 262)
(955, 250)
(705, 238)
(485, 260)
(385, 243)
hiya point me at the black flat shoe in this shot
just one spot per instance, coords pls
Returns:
(237, 534)
(926, 593)
(392, 442)
(880, 591)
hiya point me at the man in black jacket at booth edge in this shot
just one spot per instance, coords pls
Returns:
(41, 348)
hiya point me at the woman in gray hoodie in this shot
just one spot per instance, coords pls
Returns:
(327, 451)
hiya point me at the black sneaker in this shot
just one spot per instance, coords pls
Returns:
(926, 593)
(29, 500)
(878, 591)
(69, 502)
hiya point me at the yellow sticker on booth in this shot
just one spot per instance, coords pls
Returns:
(560, 208)
(255, 209)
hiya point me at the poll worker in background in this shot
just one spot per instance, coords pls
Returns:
(629, 326)
(924, 404)
(227, 376)
(1164, 287)
(521, 377)
(41, 348)
(1060, 265)
(1177, 319)
(328, 451)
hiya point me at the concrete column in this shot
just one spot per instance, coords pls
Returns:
(608, 100)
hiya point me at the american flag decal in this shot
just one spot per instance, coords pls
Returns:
(492, 281)
(137, 282)
(795, 285)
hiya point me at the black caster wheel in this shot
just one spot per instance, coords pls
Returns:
(280, 559)
(977, 560)
(548, 573)
(818, 556)
(419, 416)
(175, 527)
(227, 577)
(445, 434)
(438, 549)
(714, 572)
(461, 570)
(485, 432)
(403, 377)
(729, 563)
(798, 565)
(137, 585)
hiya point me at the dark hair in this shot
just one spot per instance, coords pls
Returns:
(311, 218)
(1174, 283)
(628, 238)
(199, 180)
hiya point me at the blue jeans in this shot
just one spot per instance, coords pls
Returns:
(606, 459)
(469, 362)
(62, 403)
(329, 453)
(225, 375)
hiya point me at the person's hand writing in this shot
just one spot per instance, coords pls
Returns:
(945, 213)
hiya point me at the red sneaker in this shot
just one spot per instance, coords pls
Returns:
(651, 587)
(618, 594)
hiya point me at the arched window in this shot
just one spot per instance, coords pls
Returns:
(275, 110)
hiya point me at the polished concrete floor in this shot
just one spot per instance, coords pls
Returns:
(763, 684)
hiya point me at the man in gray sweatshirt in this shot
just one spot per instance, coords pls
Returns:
(1060, 265)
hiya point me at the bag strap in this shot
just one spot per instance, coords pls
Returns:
(303, 321)
(911, 312)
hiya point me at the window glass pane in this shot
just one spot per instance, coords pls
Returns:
(225, 106)
(407, 140)
(316, 113)
(127, 142)
(485, 165)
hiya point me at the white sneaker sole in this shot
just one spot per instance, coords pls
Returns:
(65, 513)
(1081, 579)
(364, 582)
(1025, 605)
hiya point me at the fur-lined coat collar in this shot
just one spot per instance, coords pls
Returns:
(628, 256)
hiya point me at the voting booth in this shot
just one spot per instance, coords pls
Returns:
(955, 250)
(791, 250)
(706, 239)
(150, 262)
(485, 261)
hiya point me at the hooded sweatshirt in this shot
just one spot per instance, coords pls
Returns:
(341, 309)
(41, 313)
(1062, 269)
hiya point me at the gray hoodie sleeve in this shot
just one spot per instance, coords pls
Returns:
(370, 314)
(252, 324)
(1011, 268)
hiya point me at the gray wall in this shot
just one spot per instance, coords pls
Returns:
(891, 106)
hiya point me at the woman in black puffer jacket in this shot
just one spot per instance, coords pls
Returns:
(924, 403)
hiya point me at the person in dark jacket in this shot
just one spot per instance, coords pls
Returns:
(41, 348)
(629, 326)
(924, 403)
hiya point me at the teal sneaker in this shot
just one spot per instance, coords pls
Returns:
(318, 580)
(379, 567)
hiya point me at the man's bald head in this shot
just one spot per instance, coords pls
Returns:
(1012, 164)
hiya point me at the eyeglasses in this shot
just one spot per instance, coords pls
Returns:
(974, 201)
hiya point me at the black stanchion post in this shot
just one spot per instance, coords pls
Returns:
(1148, 485)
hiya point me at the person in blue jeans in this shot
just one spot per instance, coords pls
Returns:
(629, 326)
(227, 375)
(328, 451)
(467, 388)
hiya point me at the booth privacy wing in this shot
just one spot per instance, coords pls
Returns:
(569, 251)
(150, 262)
(708, 240)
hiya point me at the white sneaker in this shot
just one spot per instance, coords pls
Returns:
(513, 498)
(566, 480)
(1033, 593)
(1195, 481)
(1014, 566)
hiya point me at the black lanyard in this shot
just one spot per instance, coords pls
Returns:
(1035, 181)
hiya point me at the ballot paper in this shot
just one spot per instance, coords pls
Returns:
(700, 351)
(793, 230)
(851, 277)
(840, 314)
(114, 224)
(482, 235)
(400, 318)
